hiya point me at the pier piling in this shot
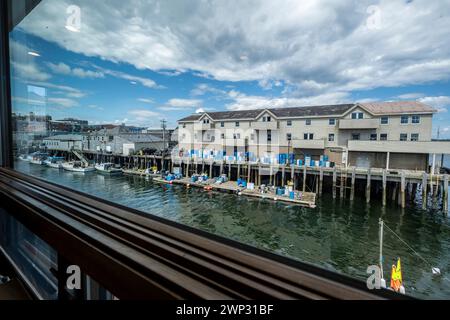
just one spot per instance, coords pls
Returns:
(445, 195)
(424, 190)
(352, 191)
(402, 189)
(368, 187)
(384, 188)
(320, 181)
(334, 182)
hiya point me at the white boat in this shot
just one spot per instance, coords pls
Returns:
(54, 162)
(76, 166)
(25, 157)
(37, 160)
(107, 168)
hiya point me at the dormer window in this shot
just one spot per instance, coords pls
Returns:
(266, 119)
(205, 121)
(357, 115)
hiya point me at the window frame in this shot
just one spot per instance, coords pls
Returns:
(401, 119)
(68, 220)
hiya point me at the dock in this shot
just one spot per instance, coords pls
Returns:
(308, 198)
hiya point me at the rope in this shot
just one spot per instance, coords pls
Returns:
(423, 259)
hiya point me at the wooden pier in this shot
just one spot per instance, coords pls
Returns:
(375, 184)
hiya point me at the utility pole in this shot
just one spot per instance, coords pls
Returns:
(163, 153)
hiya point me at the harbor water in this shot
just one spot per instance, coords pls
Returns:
(337, 235)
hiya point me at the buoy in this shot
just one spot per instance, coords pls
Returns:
(239, 193)
(383, 283)
(402, 290)
(436, 271)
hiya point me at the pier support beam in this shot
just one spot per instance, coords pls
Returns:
(402, 189)
(384, 189)
(229, 171)
(320, 180)
(211, 169)
(352, 191)
(368, 187)
(283, 169)
(445, 193)
(334, 182)
(341, 188)
(304, 178)
(249, 168)
(424, 190)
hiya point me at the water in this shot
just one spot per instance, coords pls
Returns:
(337, 235)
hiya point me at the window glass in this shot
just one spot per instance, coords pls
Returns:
(355, 136)
(373, 136)
(94, 82)
(403, 136)
(404, 119)
(331, 137)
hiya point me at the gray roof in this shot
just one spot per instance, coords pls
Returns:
(317, 111)
(66, 137)
(140, 137)
(336, 109)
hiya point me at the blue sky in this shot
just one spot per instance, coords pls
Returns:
(165, 60)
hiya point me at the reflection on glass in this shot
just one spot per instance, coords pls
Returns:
(99, 86)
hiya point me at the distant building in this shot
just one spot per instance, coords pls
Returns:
(68, 125)
(66, 142)
(383, 135)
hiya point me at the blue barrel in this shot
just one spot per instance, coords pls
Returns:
(291, 195)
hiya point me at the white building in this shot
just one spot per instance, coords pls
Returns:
(386, 134)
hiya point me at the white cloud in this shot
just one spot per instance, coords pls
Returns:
(149, 83)
(62, 68)
(145, 100)
(441, 103)
(62, 102)
(244, 102)
(317, 47)
(24, 66)
(180, 104)
(410, 96)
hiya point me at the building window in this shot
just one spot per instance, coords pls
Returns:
(332, 121)
(184, 125)
(373, 136)
(383, 136)
(237, 123)
(252, 137)
(414, 137)
(222, 135)
(308, 136)
(289, 123)
(266, 119)
(355, 136)
(205, 121)
(404, 119)
(403, 136)
(331, 137)
(415, 119)
(308, 122)
(236, 136)
(222, 124)
(269, 135)
(384, 120)
(357, 115)
(288, 136)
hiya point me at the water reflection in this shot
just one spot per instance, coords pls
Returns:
(336, 235)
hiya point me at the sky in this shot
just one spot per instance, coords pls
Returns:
(137, 62)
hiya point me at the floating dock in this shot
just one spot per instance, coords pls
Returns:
(308, 199)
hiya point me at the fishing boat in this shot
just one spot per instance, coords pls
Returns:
(25, 157)
(54, 162)
(108, 168)
(76, 166)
